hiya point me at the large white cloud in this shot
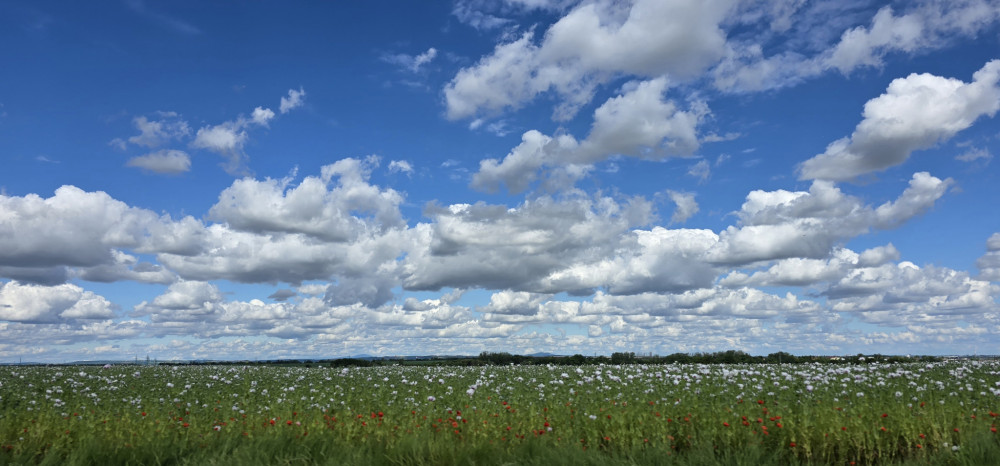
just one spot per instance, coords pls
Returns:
(903, 294)
(782, 224)
(76, 228)
(641, 122)
(333, 206)
(51, 304)
(828, 38)
(644, 261)
(496, 247)
(929, 24)
(591, 43)
(915, 113)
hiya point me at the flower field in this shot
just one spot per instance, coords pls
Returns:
(926, 413)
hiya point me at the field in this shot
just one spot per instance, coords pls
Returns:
(926, 413)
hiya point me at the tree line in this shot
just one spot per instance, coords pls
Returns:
(720, 357)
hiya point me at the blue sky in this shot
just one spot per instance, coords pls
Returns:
(266, 180)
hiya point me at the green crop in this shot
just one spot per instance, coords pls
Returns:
(937, 413)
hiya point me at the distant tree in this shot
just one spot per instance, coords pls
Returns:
(782, 357)
(623, 358)
(576, 360)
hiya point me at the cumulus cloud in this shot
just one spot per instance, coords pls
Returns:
(496, 247)
(865, 46)
(903, 293)
(583, 49)
(125, 267)
(514, 302)
(261, 116)
(782, 224)
(927, 25)
(915, 113)
(520, 167)
(331, 206)
(640, 122)
(50, 304)
(167, 161)
(226, 139)
(656, 260)
(229, 138)
(84, 229)
(989, 264)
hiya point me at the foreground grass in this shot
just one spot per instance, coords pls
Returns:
(676, 414)
(326, 451)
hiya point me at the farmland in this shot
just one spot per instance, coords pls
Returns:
(878, 413)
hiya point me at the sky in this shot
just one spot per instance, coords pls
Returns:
(267, 180)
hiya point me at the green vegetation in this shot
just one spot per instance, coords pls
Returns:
(631, 413)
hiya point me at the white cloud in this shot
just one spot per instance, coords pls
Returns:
(989, 263)
(638, 123)
(400, 166)
(50, 304)
(974, 154)
(641, 123)
(261, 116)
(167, 161)
(520, 168)
(155, 133)
(782, 224)
(657, 260)
(514, 302)
(904, 294)
(915, 113)
(827, 40)
(328, 206)
(865, 46)
(745, 69)
(195, 302)
(125, 267)
(295, 99)
(878, 255)
(229, 138)
(928, 25)
(494, 247)
(593, 41)
(686, 206)
(226, 139)
(83, 229)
